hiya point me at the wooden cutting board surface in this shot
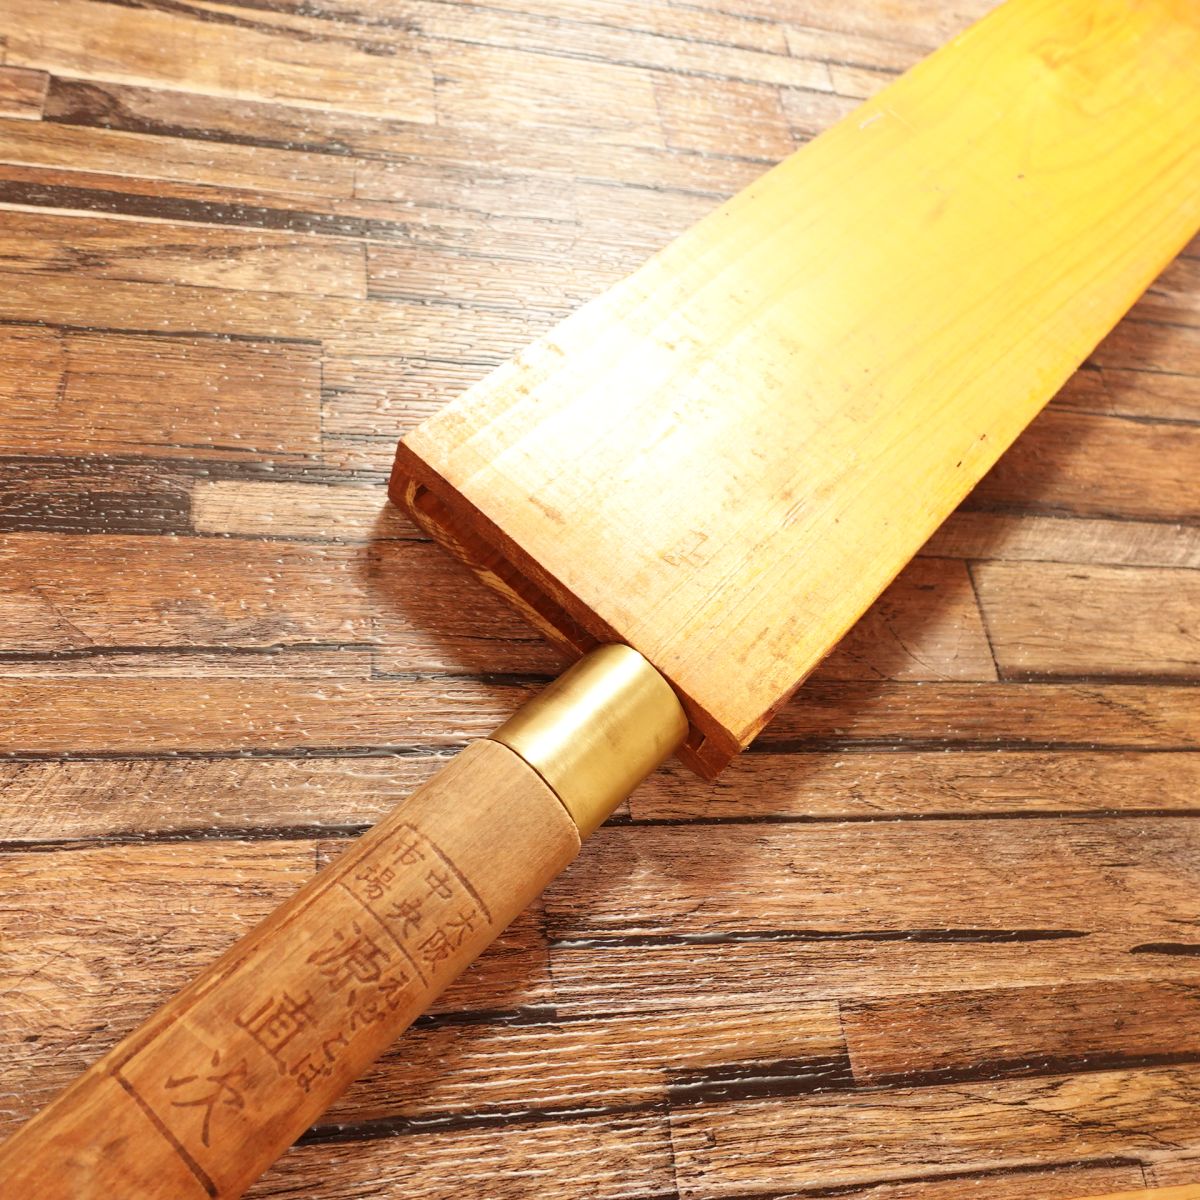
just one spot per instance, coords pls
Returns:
(934, 936)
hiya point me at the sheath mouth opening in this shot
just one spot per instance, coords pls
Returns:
(495, 569)
(485, 555)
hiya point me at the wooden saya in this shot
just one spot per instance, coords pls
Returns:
(724, 459)
(718, 465)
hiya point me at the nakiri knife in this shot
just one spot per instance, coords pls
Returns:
(697, 483)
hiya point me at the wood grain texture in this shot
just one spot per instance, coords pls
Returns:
(681, 872)
(332, 512)
(177, 764)
(774, 413)
(1169, 1169)
(728, 1150)
(1114, 391)
(243, 58)
(94, 393)
(611, 1158)
(60, 146)
(1060, 620)
(1023, 537)
(22, 93)
(970, 1034)
(148, 251)
(864, 784)
(644, 975)
(1068, 465)
(1074, 716)
(1036, 1183)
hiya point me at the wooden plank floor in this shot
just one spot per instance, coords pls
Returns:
(936, 935)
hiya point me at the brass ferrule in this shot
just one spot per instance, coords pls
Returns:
(596, 732)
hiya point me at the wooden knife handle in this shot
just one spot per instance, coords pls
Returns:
(201, 1099)
(209, 1092)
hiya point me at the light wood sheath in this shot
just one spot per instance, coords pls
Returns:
(201, 1099)
(724, 460)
